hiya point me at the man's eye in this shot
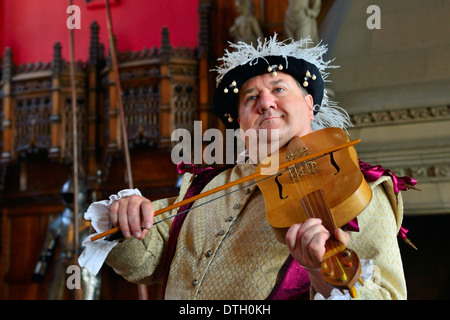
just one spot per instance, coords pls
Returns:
(279, 89)
(251, 98)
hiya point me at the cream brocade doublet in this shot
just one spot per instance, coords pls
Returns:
(227, 250)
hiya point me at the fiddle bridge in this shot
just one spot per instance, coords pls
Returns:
(301, 170)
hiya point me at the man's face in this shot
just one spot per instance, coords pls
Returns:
(275, 103)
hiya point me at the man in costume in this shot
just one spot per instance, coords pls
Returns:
(226, 249)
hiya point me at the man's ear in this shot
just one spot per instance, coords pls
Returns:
(310, 102)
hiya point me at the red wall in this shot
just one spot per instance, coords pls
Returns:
(31, 27)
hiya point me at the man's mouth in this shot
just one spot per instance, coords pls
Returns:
(269, 118)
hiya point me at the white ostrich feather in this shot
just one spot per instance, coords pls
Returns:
(245, 53)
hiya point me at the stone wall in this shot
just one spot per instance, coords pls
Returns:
(394, 82)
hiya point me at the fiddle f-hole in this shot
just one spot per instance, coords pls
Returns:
(280, 188)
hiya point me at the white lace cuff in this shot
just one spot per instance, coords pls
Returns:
(95, 252)
(336, 294)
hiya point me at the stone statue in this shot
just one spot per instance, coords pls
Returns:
(300, 19)
(246, 27)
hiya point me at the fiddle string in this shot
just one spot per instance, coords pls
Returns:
(331, 245)
(326, 215)
(314, 205)
(306, 193)
(335, 266)
(313, 200)
(310, 205)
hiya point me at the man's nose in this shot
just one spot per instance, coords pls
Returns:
(266, 101)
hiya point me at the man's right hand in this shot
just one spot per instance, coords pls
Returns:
(134, 216)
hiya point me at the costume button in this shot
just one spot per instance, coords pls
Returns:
(247, 191)
(237, 206)
(229, 219)
(221, 232)
(195, 282)
(209, 253)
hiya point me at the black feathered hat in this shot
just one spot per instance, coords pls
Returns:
(295, 58)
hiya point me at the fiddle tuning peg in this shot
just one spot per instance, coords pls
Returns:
(360, 280)
(353, 292)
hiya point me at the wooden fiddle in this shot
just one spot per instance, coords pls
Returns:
(331, 188)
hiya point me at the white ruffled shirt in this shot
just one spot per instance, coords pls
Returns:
(95, 252)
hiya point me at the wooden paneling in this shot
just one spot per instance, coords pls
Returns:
(160, 95)
(23, 232)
